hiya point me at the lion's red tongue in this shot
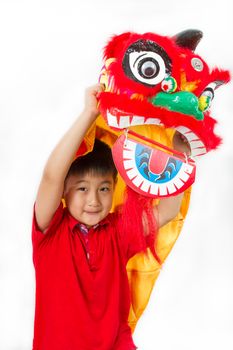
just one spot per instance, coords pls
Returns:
(158, 161)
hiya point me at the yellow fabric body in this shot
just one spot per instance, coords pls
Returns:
(143, 269)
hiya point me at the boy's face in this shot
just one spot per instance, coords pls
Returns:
(89, 197)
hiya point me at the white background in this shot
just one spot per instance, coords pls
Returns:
(49, 52)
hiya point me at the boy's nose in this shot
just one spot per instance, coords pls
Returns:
(93, 199)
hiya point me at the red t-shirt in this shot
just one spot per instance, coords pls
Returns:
(82, 298)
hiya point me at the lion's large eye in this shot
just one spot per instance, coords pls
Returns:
(146, 62)
(148, 68)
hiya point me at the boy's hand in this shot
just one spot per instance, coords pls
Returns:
(91, 99)
(180, 143)
(52, 183)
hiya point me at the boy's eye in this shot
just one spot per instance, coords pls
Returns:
(82, 189)
(105, 189)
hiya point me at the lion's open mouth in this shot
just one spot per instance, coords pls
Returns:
(120, 120)
(151, 171)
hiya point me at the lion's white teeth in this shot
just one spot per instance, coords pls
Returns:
(198, 152)
(145, 186)
(183, 130)
(178, 182)
(137, 181)
(129, 164)
(129, 145)
(162, 189)
(190, 136)
(196, 145)
(132, 173)
(171, 188)
(154, 189)
(154, 121)
(112, 120)
(183, 176)
(136, 120)
(124, 122)
(188, 168)
(127, 154)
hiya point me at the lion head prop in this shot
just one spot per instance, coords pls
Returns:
(152, 80)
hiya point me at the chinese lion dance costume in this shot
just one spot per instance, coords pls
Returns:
(155, 86)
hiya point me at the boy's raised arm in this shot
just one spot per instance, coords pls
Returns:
(167, 209)
(52, 183)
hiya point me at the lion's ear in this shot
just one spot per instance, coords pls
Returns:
(188, 39)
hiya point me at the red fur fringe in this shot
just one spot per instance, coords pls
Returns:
(204, 129)
(138, 217)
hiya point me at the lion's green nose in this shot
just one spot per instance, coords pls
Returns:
(184, 102)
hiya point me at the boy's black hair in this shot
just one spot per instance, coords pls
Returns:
(99, 162)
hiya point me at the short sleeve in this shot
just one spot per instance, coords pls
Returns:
(37, 235)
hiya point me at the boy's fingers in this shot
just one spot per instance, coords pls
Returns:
(100, 88)
(95, 89)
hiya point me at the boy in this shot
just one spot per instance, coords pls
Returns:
(79, 252)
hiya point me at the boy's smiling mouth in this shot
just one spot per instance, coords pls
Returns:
(92, 212)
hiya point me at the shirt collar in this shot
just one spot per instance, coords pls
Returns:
(74, 222)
